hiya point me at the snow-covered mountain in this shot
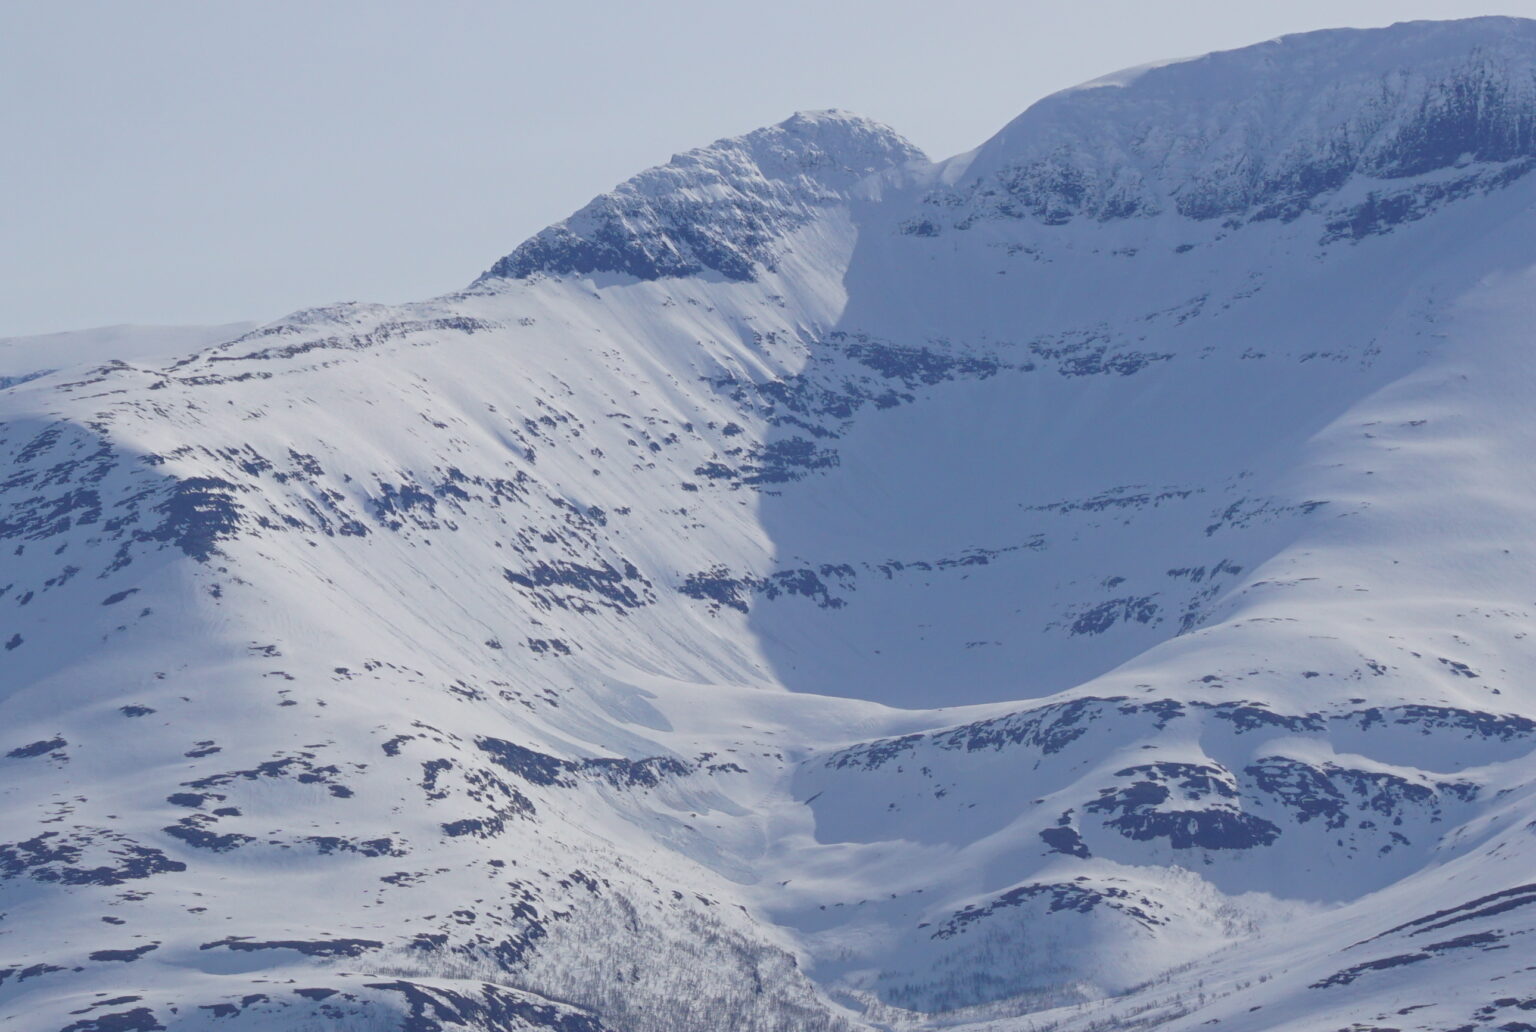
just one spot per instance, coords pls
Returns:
(28, 358)
(1081, 584)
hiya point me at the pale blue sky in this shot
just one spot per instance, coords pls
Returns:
(168, 161)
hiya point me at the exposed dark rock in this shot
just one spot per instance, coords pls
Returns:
(1061, 896)
(38, 748)
(309, 947)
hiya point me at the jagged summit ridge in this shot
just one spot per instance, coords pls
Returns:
(1270, 131)
(1410, 116)
(718, 208)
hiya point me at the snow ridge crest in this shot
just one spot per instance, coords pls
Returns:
(1270, 131)
(719, 208)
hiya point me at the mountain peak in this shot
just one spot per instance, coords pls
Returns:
(718, 208)
(1271, 130)
(836, 147)
(1096, 627)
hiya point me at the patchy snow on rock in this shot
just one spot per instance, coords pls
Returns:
(1083, 585)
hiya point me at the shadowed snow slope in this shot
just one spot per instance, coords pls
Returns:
(1081, 584)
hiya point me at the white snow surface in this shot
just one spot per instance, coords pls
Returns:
(816, 589)
(28, 358)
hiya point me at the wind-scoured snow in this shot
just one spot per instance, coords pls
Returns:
(1080, 585)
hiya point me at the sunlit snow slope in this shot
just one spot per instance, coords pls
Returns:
(1083, 584)
(27, 358)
